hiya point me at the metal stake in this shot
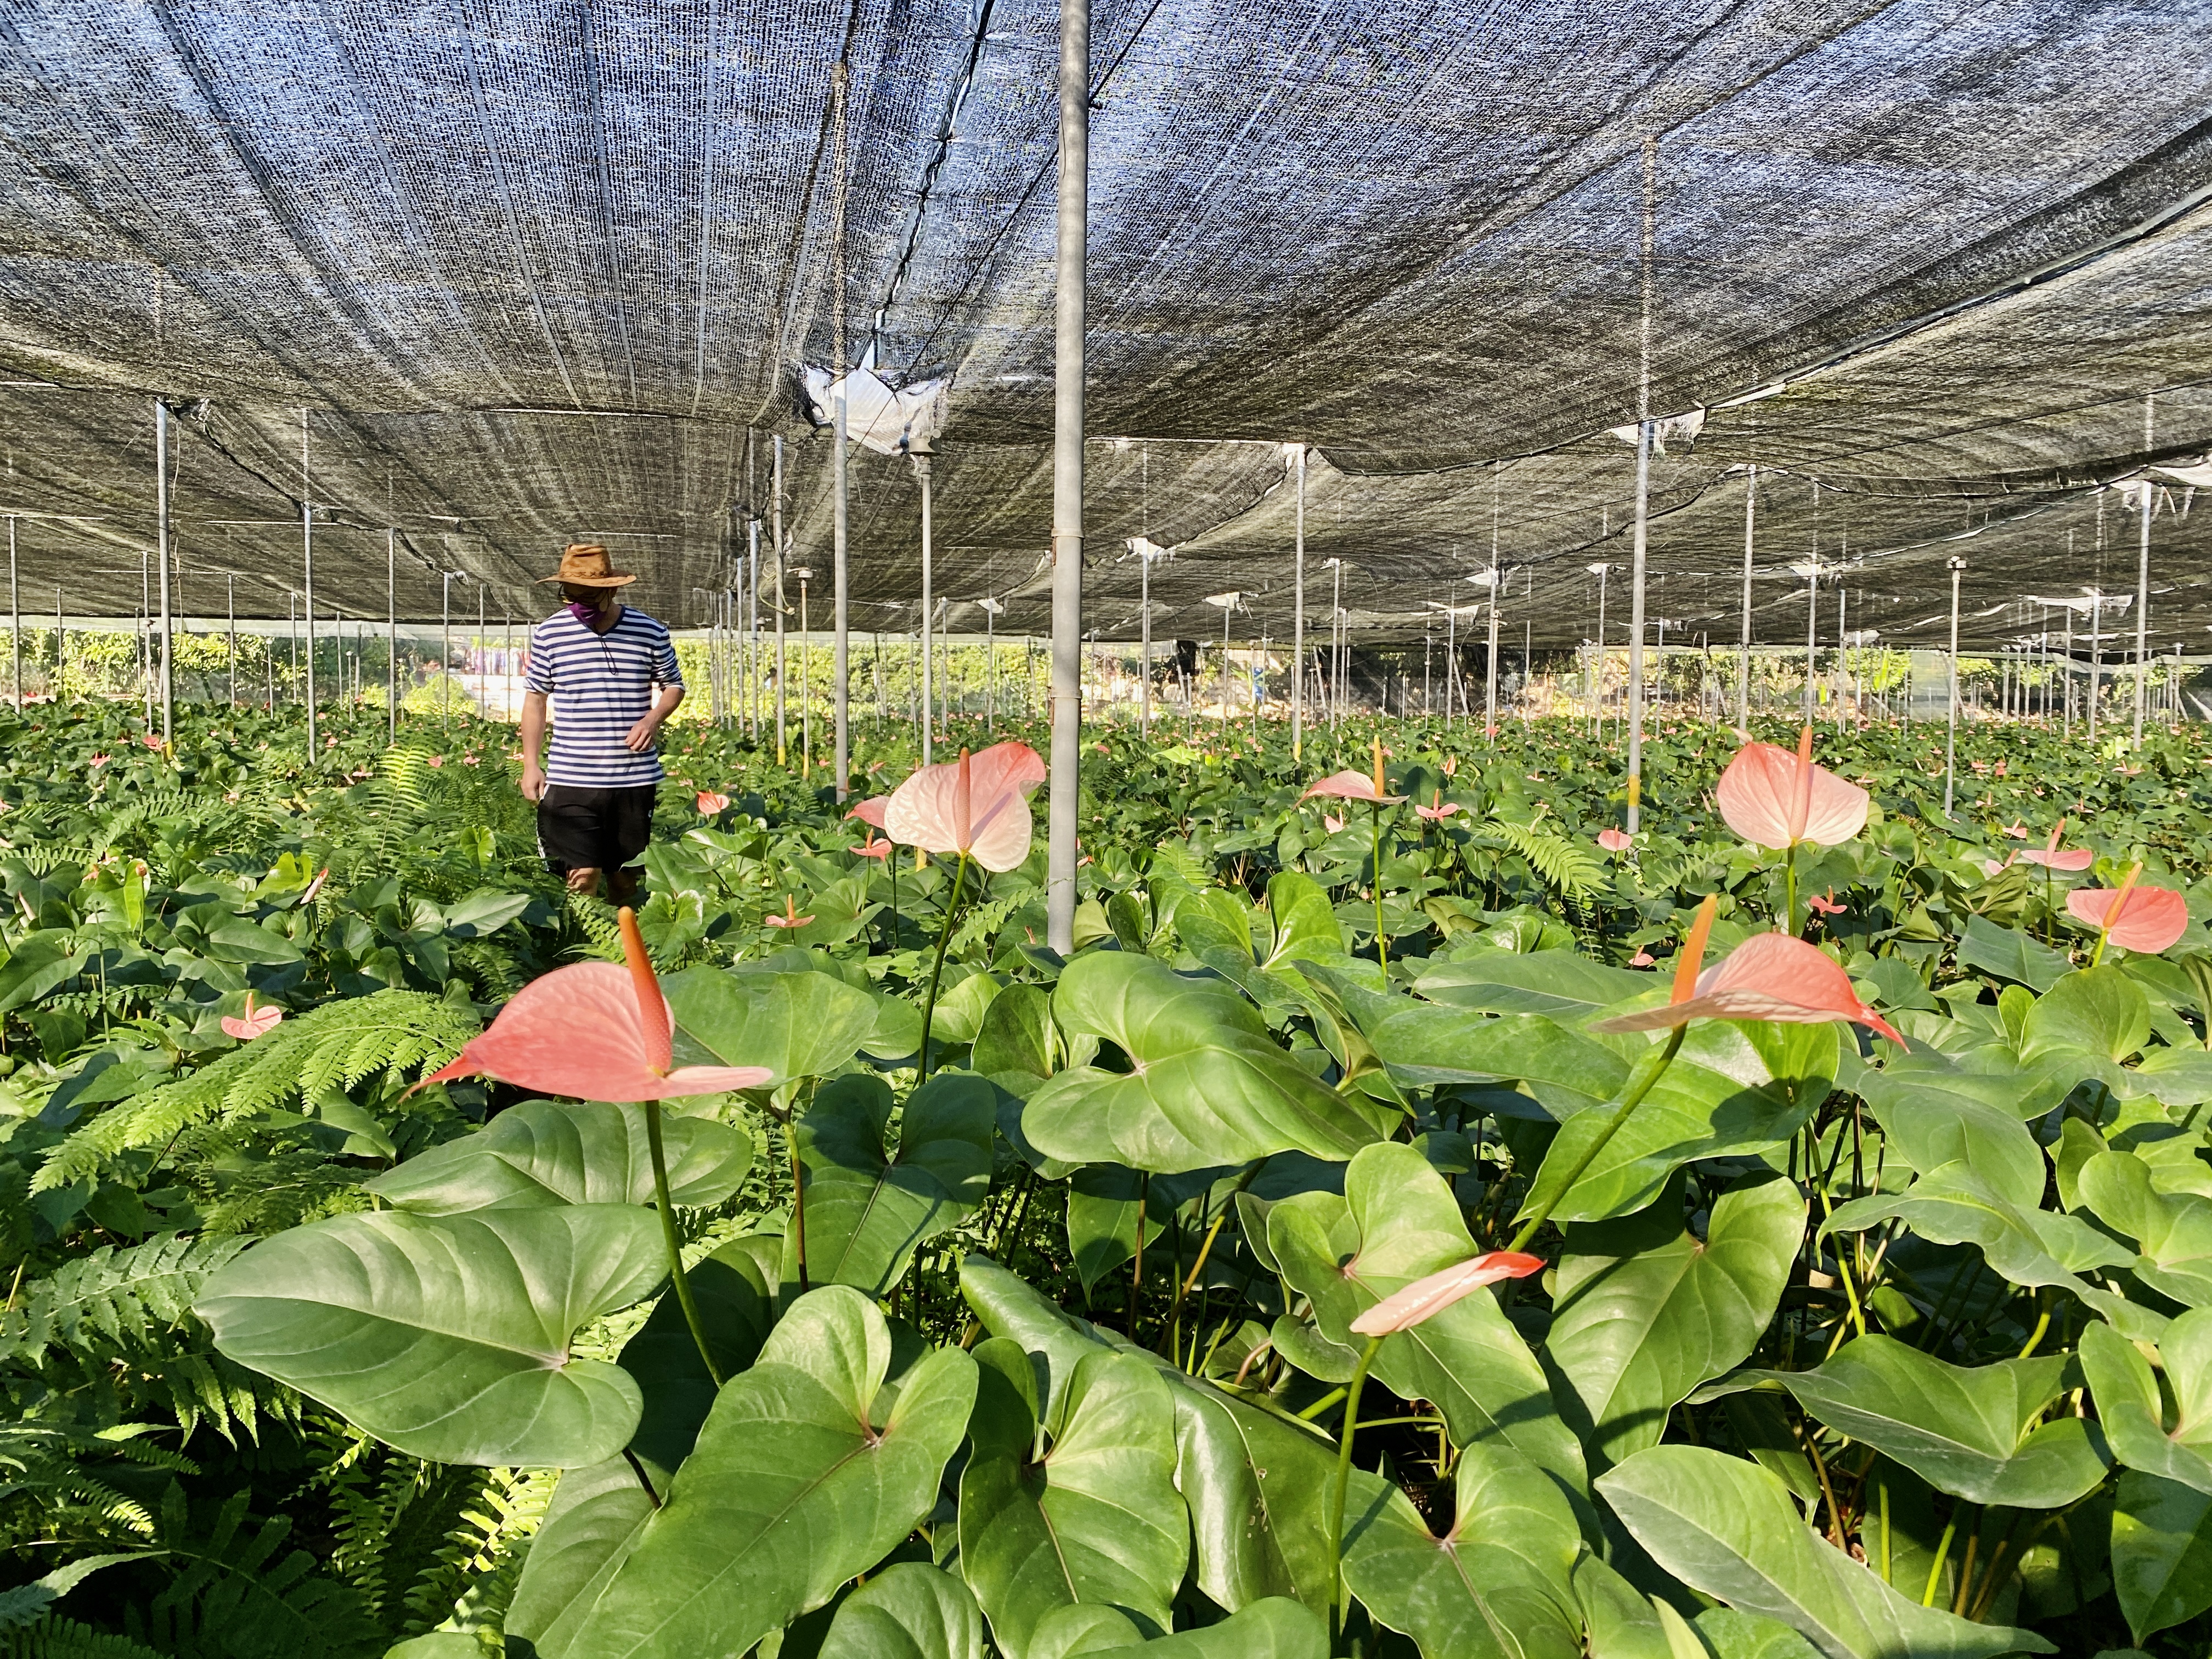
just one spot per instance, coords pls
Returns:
(161, 553)
(1073, 192)
(1956, 566)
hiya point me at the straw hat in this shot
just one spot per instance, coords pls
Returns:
(585, 564)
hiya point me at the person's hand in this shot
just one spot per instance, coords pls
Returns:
(640, 735)
(533, 781)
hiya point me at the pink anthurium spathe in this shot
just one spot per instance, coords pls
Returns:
(1614, 840)
(593, 1031)
(1330, 821)
(1438, 807)
(873, 848)
(1425, 1298)
(2145, 920)
(870, 810)
(2053, 857)
(257, 1022)
(1351, 786)
(790, 918)
(977, 806)
(1774, 799)
(1770, 976)
(1826, 906)
(710, 803)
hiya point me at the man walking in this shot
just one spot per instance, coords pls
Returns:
(603, 660)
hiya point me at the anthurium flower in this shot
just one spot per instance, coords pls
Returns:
(870, 810)
(1643, 959)
(2051, 858)
(1438, 807)
(257, 1022)
(593, 1031)
(790, 918)
(1425, 1298)
(1351, 786)
(2017, 831)
(977, 805)
(1330, 821)
(1614, 841)
(1774, 799)
(2141, 918)
(1826, 906)
(873, 848)
(1770, 976)
(710, 803)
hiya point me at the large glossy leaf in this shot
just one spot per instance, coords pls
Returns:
(910, 1611)
(1564, 984)
(2134, 1411)
(799, 1025)
(447, 1336)
(1936, 1114)
(567, 1152)
(1737, 1088)
(1255, 1485)
(1398, 1221)
(1208, 1084)
(2174, 1229)
(1104, 1202)
(1565, 1071)
(868, 1210)
(2100, 1010)
(1729, 1529)
(1089, 1515)
(1275, 1628)
(1017, 1034)
(801, 1479)
(1952, 1204)
(1496, 1584)
(597, 1513)
(1643, 1311)
(2009, 954)
(1971, 1430)
(2161, 1552)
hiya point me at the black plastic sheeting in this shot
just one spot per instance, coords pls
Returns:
(538, 271)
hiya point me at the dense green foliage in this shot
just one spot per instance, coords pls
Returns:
(1841, 1348)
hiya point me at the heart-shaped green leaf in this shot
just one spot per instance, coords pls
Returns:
(1971, 1430)
(1563, 985)
(798, 1025)
(866, 1211)
(910, 1611)
(2174, 1229)
(1643, 1311)
(800, 1480)
(2133, 1409)
(1274, 1628)
(2101, 1010)
(567, 1152)
(1397, 1222)
(1497, 1584)
(2161, 1552)
(1207, 1085)
(1092, 1514)
(447, 1336)
(1727, 1528)
(1565, 1071)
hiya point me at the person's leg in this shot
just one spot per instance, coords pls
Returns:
(585, 881)
(569, 835)
(627, 830)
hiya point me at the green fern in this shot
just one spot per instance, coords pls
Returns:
(235, 1597)
(53, 1638)
(1557, 862)
(339, 1045)
(113, 1300)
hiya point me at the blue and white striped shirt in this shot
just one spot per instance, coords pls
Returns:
(602, 684)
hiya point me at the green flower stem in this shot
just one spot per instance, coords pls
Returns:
(1789, 890)
(1647, 1073)
(937, 967)
(1337, 1598)
(1382, 949)
(675, 1249)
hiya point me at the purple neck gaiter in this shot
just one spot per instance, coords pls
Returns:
(585, 614)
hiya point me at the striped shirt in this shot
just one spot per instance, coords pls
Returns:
(601, 684)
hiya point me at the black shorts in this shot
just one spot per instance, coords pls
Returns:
(594, 828)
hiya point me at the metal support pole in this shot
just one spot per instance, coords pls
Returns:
(60, 659)
(15, 622)
(1297, 608)
(1145, 680)
(1956, 566)
(1743, 657)
(922, 460)
(1643, 440)
(1489, 673)
(839, 608)
(230, 618)
(752, 628)
(1068, 474)
(161, 553)
(2142, 578)
(390, 636)
(782, 558)
(308, 581)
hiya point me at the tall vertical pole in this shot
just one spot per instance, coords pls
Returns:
(161, 553)
(922, 460)
(1812, 635)
(782, 558)
(752, 627)
(1068, 474)
(1145, 623)
(990, 668)
(1497, 587)
(390, 636)
(307, 580)
(1643, 434)
(446, 646)
(60, 660)
(15, 622)
(230, 619)
(1743, 657)
(2142, 578)
(1956, 566)
(1299, 608)
(839, 606)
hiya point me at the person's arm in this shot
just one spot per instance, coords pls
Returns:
(640, 735)
(533, 744)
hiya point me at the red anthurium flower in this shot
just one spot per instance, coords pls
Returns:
(870, 810)
(98, 760)
(1425, 1298)
(2141, 918)
(1826, 906)
(258, 1022)
(150, 741)
(2017, 831)
(1351, 786)
(1330, 821)
(2051, 858)
(710, 803)
(1643, 959)
(1614, 841)
(1770, 976)
(314, 886)
(977, 805)
(593, 1031)
(873, 848)
(435, 760)
(1772, 797)
(790, 918)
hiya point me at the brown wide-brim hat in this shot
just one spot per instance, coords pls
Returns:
(585, 564)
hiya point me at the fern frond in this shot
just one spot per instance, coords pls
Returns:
(55, 1637)
(115, 1301)
(1557, 862)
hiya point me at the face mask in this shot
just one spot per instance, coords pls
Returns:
(583, 610)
